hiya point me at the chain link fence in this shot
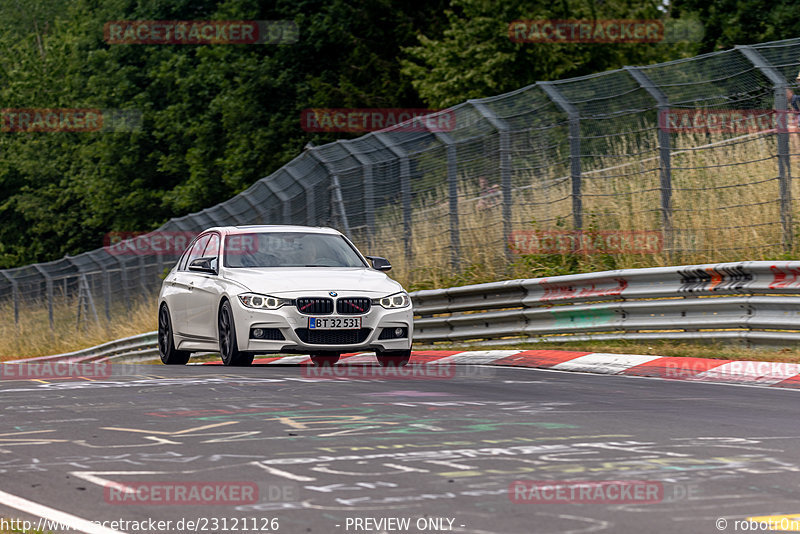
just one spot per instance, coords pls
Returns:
(589, 154)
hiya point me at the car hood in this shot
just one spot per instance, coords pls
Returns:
(275, 280)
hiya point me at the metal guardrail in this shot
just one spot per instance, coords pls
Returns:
(753, 301)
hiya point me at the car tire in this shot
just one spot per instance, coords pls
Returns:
(397, 358)
(166, 343)
(324, 359)
(228, 346)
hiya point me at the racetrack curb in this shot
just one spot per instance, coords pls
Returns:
(761, 373)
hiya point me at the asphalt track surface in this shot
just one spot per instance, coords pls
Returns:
(347, 454)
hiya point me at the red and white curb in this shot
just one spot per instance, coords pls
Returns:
(777, 374)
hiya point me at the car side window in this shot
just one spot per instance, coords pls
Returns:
(197, 250)
(212, 250)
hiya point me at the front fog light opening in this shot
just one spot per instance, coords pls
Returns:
(393, 333)
(269, 334)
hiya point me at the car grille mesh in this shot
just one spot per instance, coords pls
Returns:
(332, 337)
(315, 306)
(353, 305)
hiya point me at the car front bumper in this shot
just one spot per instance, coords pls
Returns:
(291, 324)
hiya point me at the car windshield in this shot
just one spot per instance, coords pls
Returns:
(289, 249)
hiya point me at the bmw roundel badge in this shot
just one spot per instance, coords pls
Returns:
(333, 293)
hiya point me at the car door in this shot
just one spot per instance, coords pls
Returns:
(182, 286)
(204, 294)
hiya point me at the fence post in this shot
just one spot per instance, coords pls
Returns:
(308, 191)
(405, 190)
(504, 131)
(664, 149)
(49, 284)
(259, 209)
(336, 187)
(452, 195)
(574, 149)
(286, 211)
(123, 274)
(780, 85)
(14, 295)
(369, 187)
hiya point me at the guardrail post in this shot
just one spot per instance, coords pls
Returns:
(573, 116)
(504, 131)
(664, 149)
(405, 190)
(780, 85)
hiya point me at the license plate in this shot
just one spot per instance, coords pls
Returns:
(334, 323)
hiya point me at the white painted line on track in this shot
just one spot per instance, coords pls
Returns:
(604, 363)
(56, 516)
(290, 359)
(359, 358)
(476, 356)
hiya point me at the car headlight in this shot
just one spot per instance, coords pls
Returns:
(398, 300)
(262, 302)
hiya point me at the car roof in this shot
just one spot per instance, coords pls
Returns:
(259, 228)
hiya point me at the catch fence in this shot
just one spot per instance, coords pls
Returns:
(552, 165)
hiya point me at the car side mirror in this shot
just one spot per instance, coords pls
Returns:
(203, 265)
(380, 264)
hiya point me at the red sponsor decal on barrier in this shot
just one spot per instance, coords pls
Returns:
(586, 242)
(586, 491)
(586, 31)
(181, 493)
(783, 277)
(726, 120)
(56, 369)
(372, 119)
(200, 32)
(555, 291)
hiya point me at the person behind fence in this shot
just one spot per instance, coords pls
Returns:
(794, 102)
(489, 194)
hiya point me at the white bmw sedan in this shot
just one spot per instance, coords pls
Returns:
(281, 289)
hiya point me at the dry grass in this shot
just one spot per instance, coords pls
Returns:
(716, 217)
(33, 337)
